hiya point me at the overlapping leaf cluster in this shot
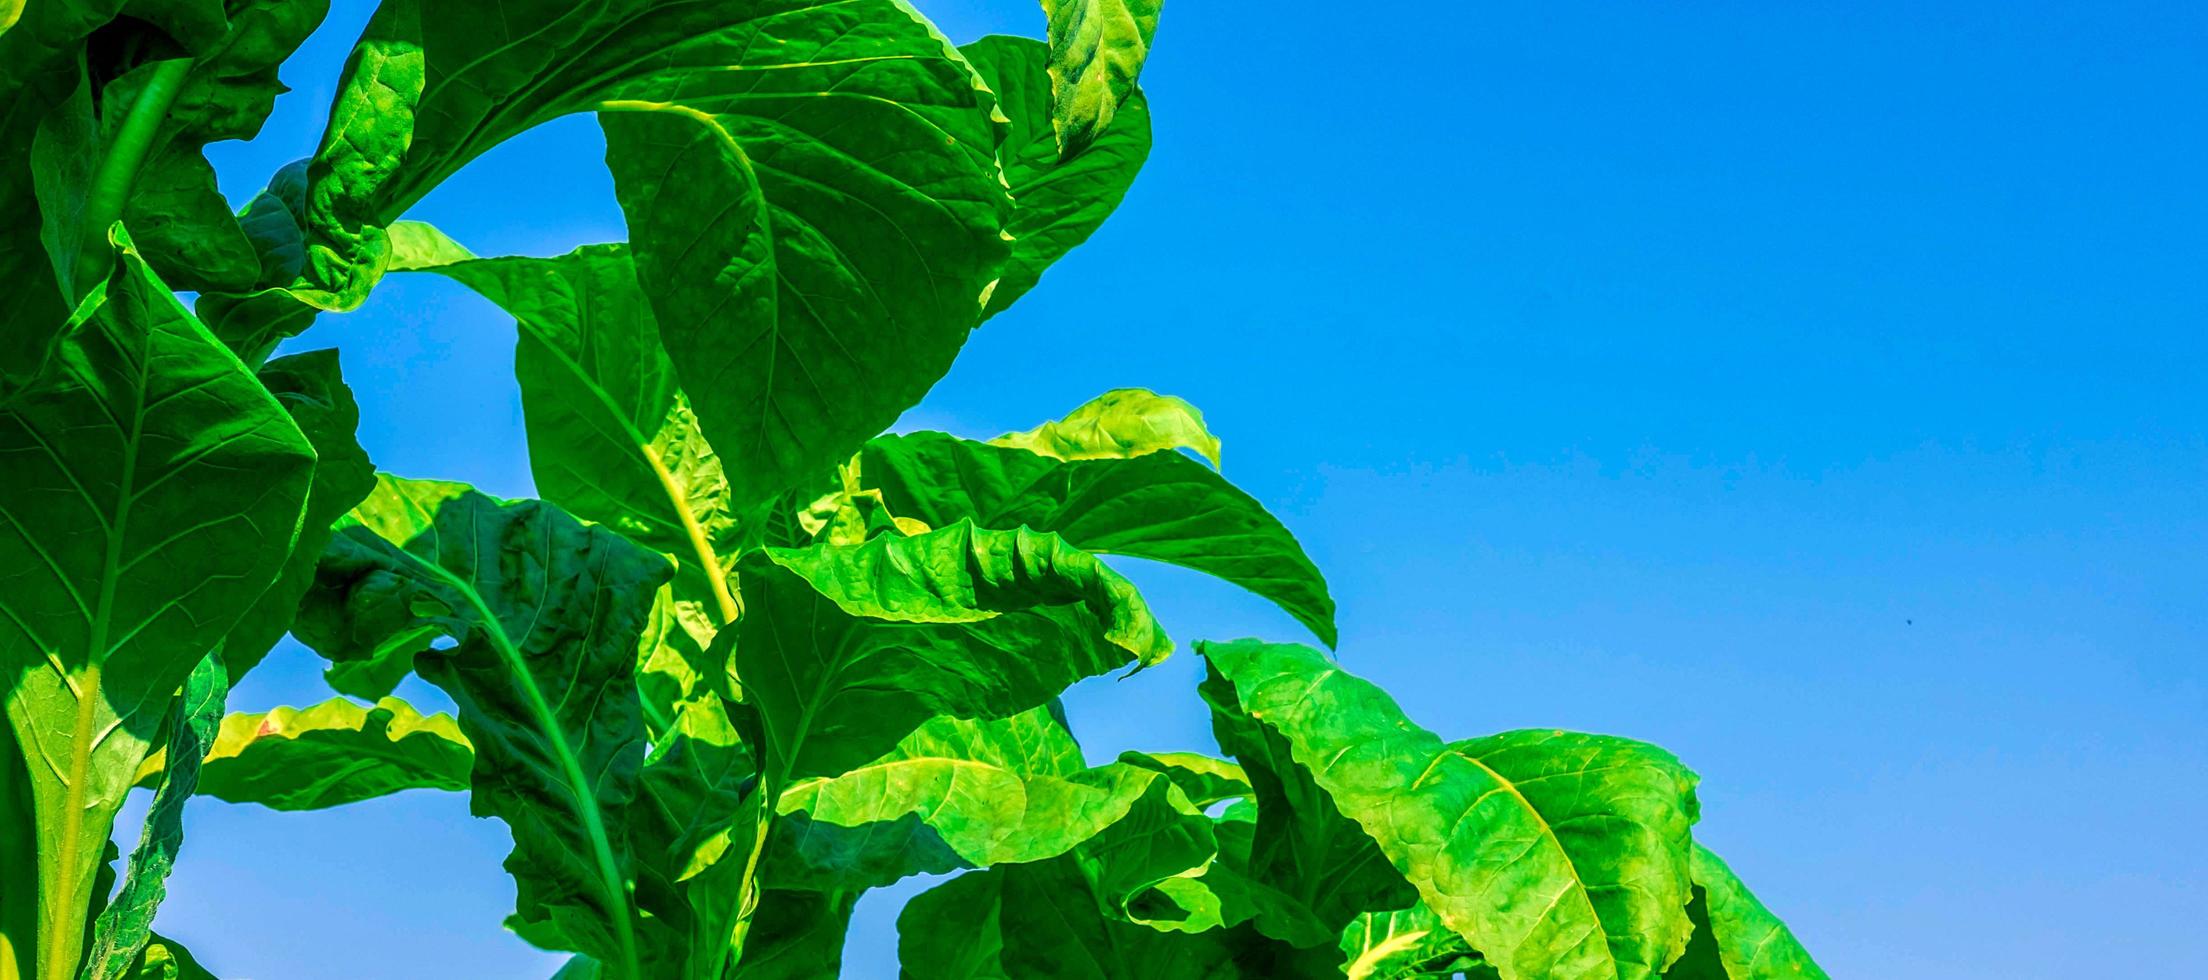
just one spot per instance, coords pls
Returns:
(749, 656)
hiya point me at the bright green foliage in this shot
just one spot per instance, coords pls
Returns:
(308, 386)
(1120, 424)
(953, 794)
(1482, 843)
(1737, 938)
(1405, 944)
(750, 657)
(848, 649)
(333, 753)
(1059, 200)
(154, 488)
(1162, 506)
(163, 959)
(546, 613)
(1097, 48)
(123, 928)
(1203, 779)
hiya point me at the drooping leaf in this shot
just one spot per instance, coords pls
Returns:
(1483, 854)
(546, 613)
(612, 438)
(1058, 201)
(309, 387)
(253, 320)
(1406, 944)
(848, 649)
(1162, 506)
(1736, 937)
(953, 794)
(1204, 779)
(1070, 916)
(1097, 48)
(121, 932)
(334, 753)
(1306, 868)
(816, 261)
(1120, 424)
(166, 959)
(847, 108)
(152, 492)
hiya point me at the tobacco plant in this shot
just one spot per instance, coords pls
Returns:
(749, 656)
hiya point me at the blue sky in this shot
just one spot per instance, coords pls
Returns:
(1814, 389)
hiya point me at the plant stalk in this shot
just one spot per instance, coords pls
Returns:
(118, 170)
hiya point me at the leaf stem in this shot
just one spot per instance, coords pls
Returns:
(610, 880)
(126, 155)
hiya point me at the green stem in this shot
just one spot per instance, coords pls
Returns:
(610, 880)
(118, 170)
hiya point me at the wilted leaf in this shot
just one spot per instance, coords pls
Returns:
(1097, 48)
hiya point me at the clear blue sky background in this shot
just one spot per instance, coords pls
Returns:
(1816, 389)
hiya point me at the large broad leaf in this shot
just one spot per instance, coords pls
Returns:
(1097, 48)
(1490, 850)
(546, 613)
(953, 794)
(846, 649)
(334, 753)
(120, 934)
(1058, 200)
(1621, 810)
(1736, 938)
(810, 293)
(1070, 916)
(309, 387)
(854, 114)
(153, 489)
(1162, 506)
(1310, 868)
(612, 438)
(48, 147)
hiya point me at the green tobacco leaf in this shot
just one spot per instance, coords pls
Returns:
(1058, 201)
(334, 753)
(846, 649)
(1406, 944)
(48, 146)
(846, 108)
(1120, 424)
(953, 794)
(546, 613)
(1478, 845)
(798, 935)
(810, 291)
(1162, 506)
(251, 322)
(612, 438)
(1621, 810)
(1309, 868)
(1097, 48)
(120, 934)
(1736, 938)
(1204, 779)
(1070, 916)
(153, 489)
(309, 387)
(166, 959)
